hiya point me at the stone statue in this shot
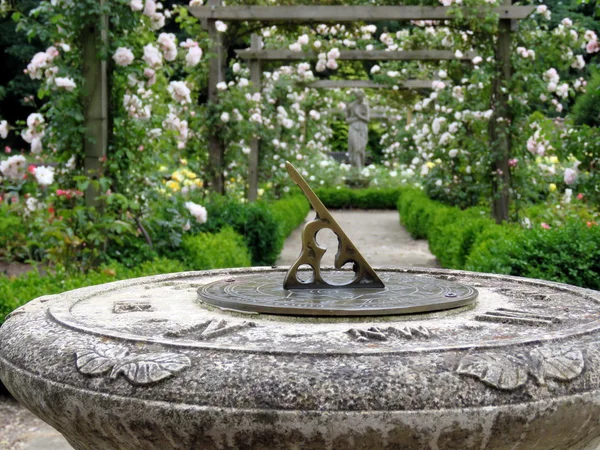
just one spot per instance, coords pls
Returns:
(357, 116)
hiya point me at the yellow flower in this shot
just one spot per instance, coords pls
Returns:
(177, 176)
(554, 160)
(260, 192)
(183, 162)
(232, 179)
(188, 183)
(438, 161)
(173, 185)
(269, 185)
(430, 164)
(552, 187)
(198, 182)
(162, 169)
(189, 174)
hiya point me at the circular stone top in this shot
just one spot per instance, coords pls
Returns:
(150, 347)
(167, 310)
(403, 294)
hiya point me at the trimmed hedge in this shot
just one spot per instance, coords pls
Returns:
(215, 251)
(288, 213)
(369, 198)
(470, 240)
(263, 226)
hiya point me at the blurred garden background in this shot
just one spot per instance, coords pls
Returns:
(156, 199)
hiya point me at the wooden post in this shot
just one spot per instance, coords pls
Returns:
(216, 74)
(409, 116)
(499, 126)
(255, 78)
(95, 73)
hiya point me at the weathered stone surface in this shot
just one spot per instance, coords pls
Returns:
(179, 374)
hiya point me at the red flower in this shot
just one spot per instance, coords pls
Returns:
(31, 169)
(546, 226)
(51, 209)
(591, 224)
(580, 196)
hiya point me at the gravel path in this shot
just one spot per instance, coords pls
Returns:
(377, 234)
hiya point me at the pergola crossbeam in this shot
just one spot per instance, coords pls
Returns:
(308, 13)
(355, 55)
(368, 84)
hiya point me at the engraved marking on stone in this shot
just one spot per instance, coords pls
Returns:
(533, 295)
(138, 369)
(379, 334)
(209, 329)
(509, 371)
(312, 253)
(517, 317)
(128, 306)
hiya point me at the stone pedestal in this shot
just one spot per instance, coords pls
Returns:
(144, 364)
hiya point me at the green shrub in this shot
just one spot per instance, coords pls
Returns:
(13, 236)
(215, 251)
(254, 221)
(289, 213)
(471, 240)
(369, 198)
(568, 254)
(586, 110)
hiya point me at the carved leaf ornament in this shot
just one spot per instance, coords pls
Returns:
(508, 372)
(137, 368)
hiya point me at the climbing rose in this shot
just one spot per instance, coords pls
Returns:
(570, 176)
(193, 56)
(64, 82)
(44, 175)
(136, 5)
(152, 56)
(592, 46)
(225, 117)
(220, 26)
(13, 167)
(179, 91)
(123, 56)
(39, 62)
(150, 8)
(168, 45)
(198, 211)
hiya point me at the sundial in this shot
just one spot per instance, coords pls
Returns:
(261, 358)
(308, 293)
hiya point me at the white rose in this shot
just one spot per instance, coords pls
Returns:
(123, 56)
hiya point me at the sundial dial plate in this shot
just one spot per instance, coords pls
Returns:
(403, 294)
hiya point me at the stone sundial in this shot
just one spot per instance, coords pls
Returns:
(311, 295)
(234, 359)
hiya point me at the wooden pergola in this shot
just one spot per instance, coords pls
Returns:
(498, 131)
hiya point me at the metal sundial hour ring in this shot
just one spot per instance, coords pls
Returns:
(312, 253)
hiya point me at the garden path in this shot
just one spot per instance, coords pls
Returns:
(377, 234)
